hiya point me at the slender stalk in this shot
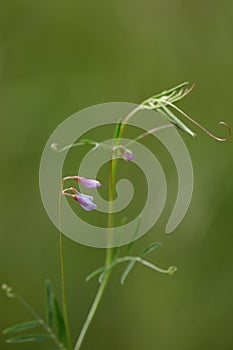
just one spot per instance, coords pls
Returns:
(64, 304)
(109, 251)
(127, 118)
(92, 311)
(149, 132)
(108, 260)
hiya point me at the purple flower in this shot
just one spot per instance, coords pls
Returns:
(127, 154)
(84, 200)
(89, 183)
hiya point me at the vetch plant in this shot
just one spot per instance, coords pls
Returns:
(55, 326)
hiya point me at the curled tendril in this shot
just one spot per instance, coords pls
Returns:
(133, 259)
(202, 127)
(8, 290)
(169, 97)
(171, 270)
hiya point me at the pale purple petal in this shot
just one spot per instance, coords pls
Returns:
(87, 205)
(85, 196)
(89, 183)
(86, 201)
(127, 154)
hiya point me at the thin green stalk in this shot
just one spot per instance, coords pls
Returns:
(149, 132)
(123, 125)
(64, 304)
(92, 311)
(108, 260)
(127, 118)
(109, 251)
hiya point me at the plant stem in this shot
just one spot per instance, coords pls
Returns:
(64, 305)
(108, 261)
(109, 251)
(92, 311)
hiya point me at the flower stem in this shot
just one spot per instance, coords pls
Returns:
(64, 305)
(92, 311)
(108, 260)
(109, 251)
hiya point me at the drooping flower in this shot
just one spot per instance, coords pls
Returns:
(88, 183)
(85, 201)
(126, 153)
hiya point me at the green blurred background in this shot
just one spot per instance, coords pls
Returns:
(57, 57)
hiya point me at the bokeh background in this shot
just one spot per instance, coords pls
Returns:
(57, 57)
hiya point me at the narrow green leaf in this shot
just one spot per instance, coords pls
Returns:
(87, 141)
(135, 233)
(129, 249)
(173, 119)
(176, 92)
(116, 250)
(49, 303)
(61, 329)
(21, 327)
(168, 92)
(150, 248)
(106, 269)
(125, 274)
(95, 273)
(117, 129)
(29, 338)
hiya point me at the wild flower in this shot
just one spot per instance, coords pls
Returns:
(88, 183)
(85, 201)
(126, 153)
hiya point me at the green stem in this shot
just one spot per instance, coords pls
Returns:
(64, 304)
(92, 311)
(108, 260)
(109, 252)
(127, 118)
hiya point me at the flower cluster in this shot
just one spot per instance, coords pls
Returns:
(85, 201)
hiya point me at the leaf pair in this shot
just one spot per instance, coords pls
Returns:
(27, 337)
(52, 313)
